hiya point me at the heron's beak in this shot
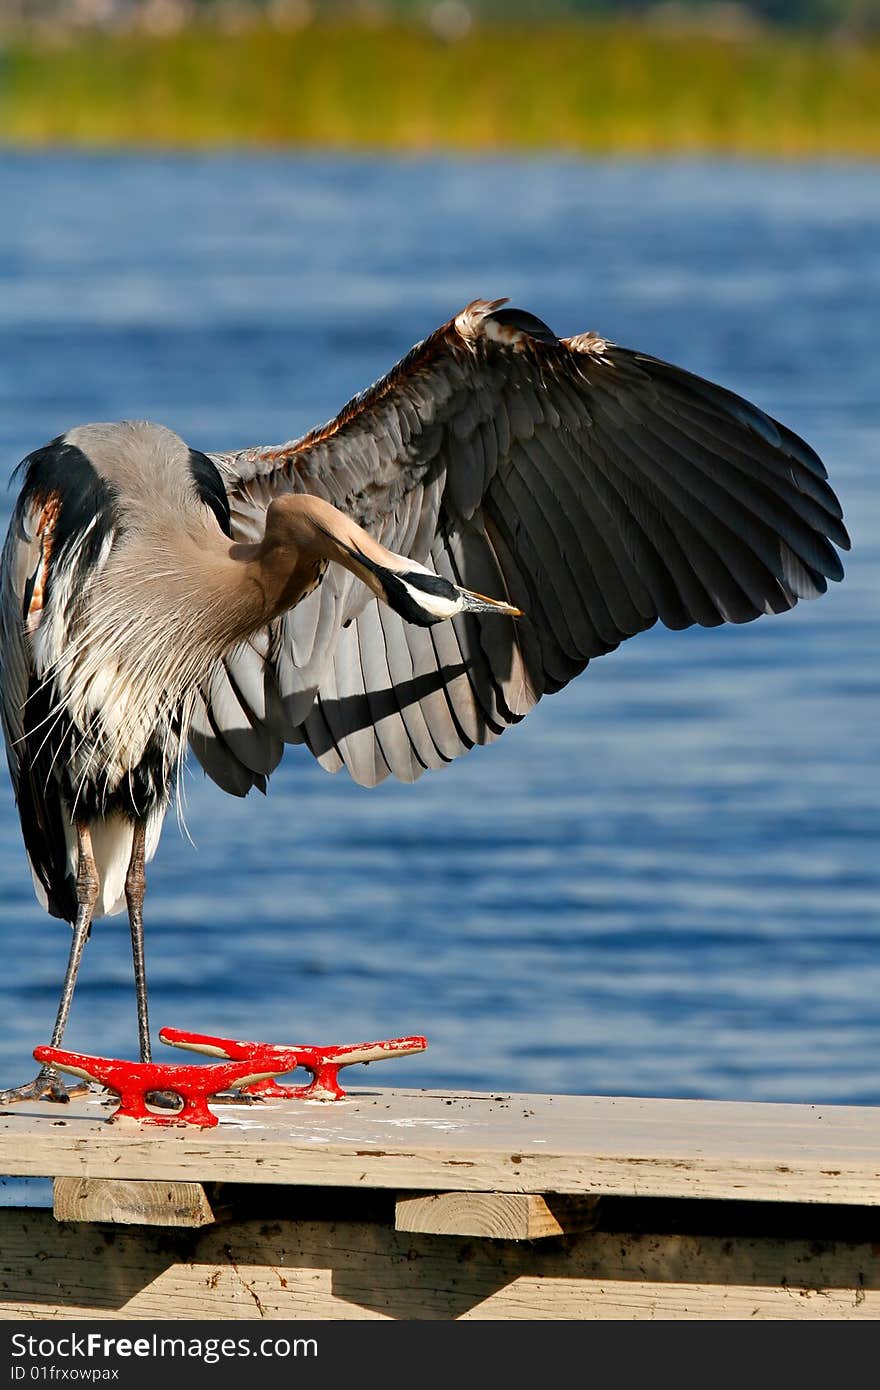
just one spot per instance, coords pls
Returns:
(478, 603)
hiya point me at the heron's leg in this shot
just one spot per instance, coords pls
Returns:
(135, 888)
(48, 1085)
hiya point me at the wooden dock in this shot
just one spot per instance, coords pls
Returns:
(426, 1205)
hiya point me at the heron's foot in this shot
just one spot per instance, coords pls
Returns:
(47, 1086)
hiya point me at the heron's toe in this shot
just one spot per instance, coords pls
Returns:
(47, 1086)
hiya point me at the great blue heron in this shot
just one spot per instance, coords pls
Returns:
(153, 595)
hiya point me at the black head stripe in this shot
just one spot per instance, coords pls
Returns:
(430, 584)
(209, 486)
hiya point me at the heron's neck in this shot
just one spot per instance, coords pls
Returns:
(264, 580)
(260, 581)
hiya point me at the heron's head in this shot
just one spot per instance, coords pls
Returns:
(425, 598)
(311, 527)
(418, 594)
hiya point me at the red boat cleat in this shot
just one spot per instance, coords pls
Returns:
(323, 1062)
(134, 1081)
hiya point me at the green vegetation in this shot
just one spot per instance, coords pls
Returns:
(590, 87)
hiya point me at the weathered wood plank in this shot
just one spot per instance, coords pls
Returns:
(494, 1215)
(436, 1141)
(343, 1270)
(132, 1202)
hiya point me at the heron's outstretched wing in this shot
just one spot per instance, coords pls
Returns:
(595, 487)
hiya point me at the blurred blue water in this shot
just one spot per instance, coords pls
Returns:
(666, 881)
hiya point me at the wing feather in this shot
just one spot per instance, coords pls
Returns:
(384, 714)
(418, 688)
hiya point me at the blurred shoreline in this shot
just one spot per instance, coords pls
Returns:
(591, 87)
